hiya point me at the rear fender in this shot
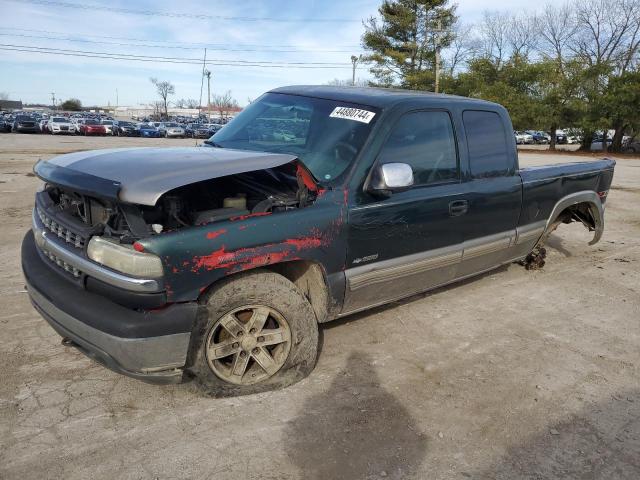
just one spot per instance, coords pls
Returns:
(593, 204)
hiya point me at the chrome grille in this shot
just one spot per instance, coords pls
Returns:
(67, 235)
(61, 263)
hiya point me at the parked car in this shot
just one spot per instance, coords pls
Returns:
(561, 137)
(539, 138)
(201, 131)
(523, 138)
(125, 129)
(43, 125)
(596, 143)
(61, 125)
(108, 126)
(632, 146)
(189, 129)
(171, 130)
(25, 124)
(148, 131)
(219, 263)
(6, 122)
(91, 127)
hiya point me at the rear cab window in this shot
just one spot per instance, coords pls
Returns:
(489, 151)
(424, 140)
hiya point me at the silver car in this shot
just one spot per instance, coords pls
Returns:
(172, 130)
(60, 125)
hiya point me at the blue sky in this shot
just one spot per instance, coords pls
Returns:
(31, 77)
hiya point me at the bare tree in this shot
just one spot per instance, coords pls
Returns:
(180, 103)
(603, 30)
(224, 103)
(164, 89)
(464, 46)
(192, 103)
(522, 34)
(4, 96)
(494, 30)
(557, 27)
(158, 109)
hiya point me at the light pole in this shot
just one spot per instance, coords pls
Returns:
(354, 61)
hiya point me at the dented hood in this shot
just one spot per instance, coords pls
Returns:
(143, 175)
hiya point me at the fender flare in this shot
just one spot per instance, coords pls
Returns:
(596, 209)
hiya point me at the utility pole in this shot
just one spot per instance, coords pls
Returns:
(354, 61)
(204, 63)
(208, 74)
(117, 99)
(53, 100)
(437, 39)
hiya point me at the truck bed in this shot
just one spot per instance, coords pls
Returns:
(542, 186)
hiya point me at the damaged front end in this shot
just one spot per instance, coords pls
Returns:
(98, 226)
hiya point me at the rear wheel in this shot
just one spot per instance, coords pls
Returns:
(259, 333)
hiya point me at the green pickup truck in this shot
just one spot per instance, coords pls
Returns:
(217, 263)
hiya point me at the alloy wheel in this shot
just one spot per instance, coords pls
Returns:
(248, 344)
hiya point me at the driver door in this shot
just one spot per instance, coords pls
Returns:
(411, 240)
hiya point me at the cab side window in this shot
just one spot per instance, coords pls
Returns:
(487, 142)
(425, 141)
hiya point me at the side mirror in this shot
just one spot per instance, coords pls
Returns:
(387, 178)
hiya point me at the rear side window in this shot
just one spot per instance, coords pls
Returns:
(487, 142)
(426, 142)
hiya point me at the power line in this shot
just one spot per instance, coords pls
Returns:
(211, 47)
(192, 61)
(198, 44)
(133, 57)
(193, 16)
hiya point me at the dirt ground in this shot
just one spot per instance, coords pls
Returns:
(512, 375)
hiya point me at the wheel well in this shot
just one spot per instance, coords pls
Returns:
(586, 212)
(310, 278)
(580, 212)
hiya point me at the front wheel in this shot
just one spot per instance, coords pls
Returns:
(259, 333)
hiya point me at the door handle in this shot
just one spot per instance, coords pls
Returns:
(457, 208)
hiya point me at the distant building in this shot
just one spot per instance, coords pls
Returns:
(10, 105)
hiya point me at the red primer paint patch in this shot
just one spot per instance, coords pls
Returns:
(306, 178)
(304, 243)
(251, 215)
(217, 233)
(138, 247)
(247, 258)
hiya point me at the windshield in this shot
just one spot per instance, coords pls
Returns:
(326, 135)
(171, 125)
(91, 122)
(58, 119)
(107, 122)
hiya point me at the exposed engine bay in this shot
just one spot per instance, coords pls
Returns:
(264, 191)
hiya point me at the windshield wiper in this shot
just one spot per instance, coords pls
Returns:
(213, 144)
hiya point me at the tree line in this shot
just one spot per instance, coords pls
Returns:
(573, 65)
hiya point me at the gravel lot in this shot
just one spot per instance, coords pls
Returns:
(511, 375)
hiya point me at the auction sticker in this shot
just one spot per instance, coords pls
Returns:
(356, 114)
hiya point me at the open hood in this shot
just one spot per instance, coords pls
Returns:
(143, 175)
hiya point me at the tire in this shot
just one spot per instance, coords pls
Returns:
(238, 298)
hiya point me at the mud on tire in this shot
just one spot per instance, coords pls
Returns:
(232, 299)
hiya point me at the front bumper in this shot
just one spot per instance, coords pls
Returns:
(147, 345)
